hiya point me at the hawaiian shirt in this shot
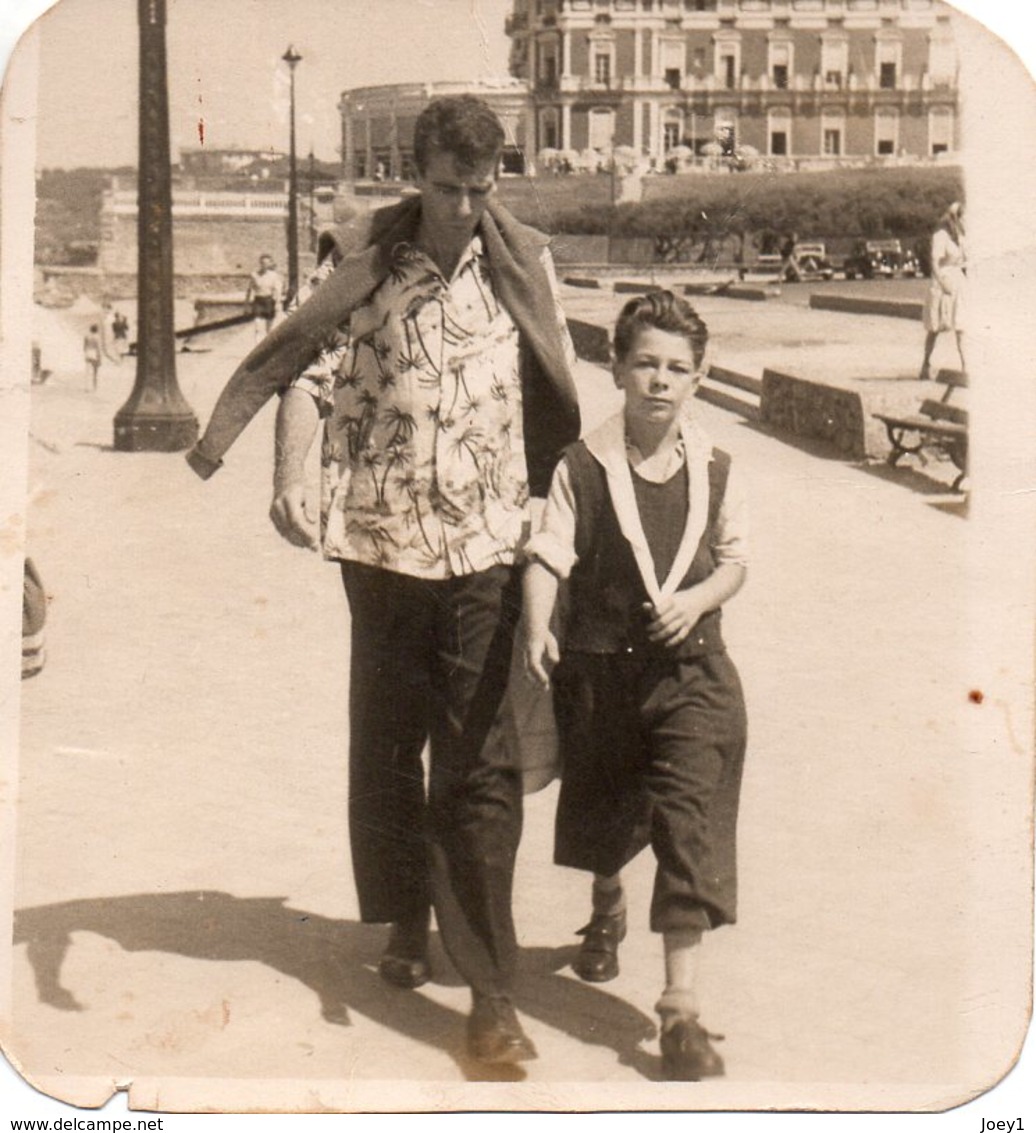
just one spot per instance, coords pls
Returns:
(423, 456)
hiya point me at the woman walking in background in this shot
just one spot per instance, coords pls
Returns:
(943, 307)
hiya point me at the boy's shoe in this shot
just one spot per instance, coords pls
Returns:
(598, 958)
(494, 1033)
(405, 962)
(687, 1054)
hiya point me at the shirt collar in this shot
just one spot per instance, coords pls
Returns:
(407, 250)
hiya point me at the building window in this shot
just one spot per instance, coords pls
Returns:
(603, 69)
(698, 58)
(601, 128)
(832, 142)
(886, 132)
(940, 130)
(942, 61)
(887, 76)
(834, 60)
(548, 71)
(780, 63)
(549, 130)
(670, 135)
(779, 131)
(700, 5)
(673, 55)
(728, 69)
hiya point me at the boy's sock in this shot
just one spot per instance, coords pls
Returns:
(680, 998)
(607, 895)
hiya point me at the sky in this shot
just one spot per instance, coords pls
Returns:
(226, 74)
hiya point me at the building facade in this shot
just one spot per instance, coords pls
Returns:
(831, 80)
(378, 125)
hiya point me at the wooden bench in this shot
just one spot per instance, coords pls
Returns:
(939, 425)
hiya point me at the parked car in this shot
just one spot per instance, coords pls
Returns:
(880, 259)
(813, 262)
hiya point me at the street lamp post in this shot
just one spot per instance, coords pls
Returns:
(292, 58)
(156, 417)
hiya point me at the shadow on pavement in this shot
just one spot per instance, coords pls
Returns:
(335, 959)
(811, 446)
(587, 1013)
(920, 482)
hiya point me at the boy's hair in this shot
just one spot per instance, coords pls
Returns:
(661, 310)
(463, 126)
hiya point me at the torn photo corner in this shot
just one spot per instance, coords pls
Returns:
(184, 822)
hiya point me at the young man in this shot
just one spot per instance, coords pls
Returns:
(443, 381)
(265, 295)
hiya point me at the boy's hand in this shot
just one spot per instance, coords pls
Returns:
(541, 654)
(674, 618)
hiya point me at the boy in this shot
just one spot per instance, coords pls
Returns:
(645, 522)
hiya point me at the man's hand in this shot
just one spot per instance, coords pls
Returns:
(293, 516)
(673, 619)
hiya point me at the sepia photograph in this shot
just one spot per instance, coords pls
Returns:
(518, 530)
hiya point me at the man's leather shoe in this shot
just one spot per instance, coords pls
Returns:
(494, 1033)
(687, 1054)
(405, 962)
(598, 958)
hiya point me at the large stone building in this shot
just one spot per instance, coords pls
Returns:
(790, 78)
(378, 124)
(798, 81)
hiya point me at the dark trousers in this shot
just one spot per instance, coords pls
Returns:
(653, 751)
(430, 661)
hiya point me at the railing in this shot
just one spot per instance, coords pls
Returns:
(260, 206)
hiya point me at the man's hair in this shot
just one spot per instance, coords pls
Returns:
(463, 126)
(661, 310)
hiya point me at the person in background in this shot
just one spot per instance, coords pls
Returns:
(265, 296)
(646, 521)
(944, 304)
(92, 350)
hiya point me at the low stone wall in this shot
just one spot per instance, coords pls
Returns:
(815, 411)
(856, 305)
(60, 284)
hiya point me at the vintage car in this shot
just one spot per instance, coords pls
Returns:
(880, 259)
(812, 261)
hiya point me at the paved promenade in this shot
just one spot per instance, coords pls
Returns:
(185, 913)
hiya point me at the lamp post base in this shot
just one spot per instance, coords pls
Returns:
(155, 432)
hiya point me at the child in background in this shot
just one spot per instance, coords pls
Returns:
(645, 521)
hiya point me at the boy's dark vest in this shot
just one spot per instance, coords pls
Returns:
(606, 591)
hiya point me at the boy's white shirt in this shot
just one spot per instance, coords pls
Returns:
(553, 542)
